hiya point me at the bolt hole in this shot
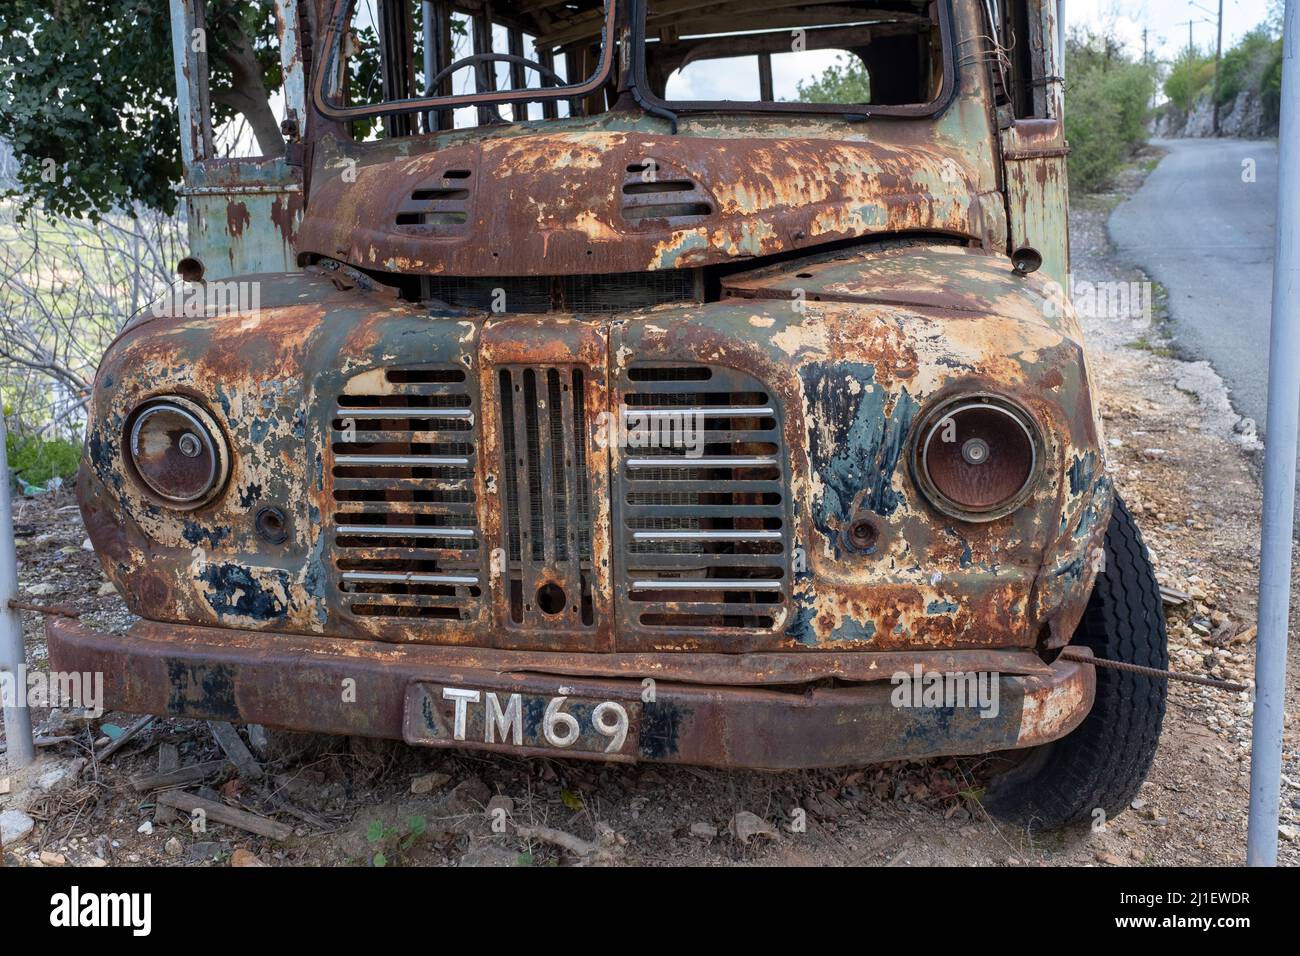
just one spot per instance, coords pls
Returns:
(863, 535)
(272, 525)
(550, 598)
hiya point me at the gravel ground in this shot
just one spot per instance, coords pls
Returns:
(1179, 460)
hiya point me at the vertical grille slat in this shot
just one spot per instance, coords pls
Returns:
(547, 502)
(701, 502)
(403, 530)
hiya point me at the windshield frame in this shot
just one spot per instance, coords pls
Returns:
(328, 71)
(947, 90)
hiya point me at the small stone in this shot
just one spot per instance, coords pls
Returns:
(428, 782)
(4, 785)
(14, 825)
(107, 589)
(1288, 832)
(1110, 859)
(468, 796)
(745, 826)
(40, 590)
(61, 775)
(173, 847)
(50, 858)
(146, 828)
(705, 831)
(242, 857)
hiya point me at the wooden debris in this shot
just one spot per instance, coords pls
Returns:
(1172, 597)
(234, 747)
(220, 813)
(169, 761)
(604, 852)
(127, 736)
(179, 777)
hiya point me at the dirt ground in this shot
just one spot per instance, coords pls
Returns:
(1180, 458)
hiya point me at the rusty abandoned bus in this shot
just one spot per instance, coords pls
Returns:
(633, 380)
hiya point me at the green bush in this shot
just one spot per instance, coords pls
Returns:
(1107, 102)
(1243, 65)
(36, 460)
(1091, 117)
(1189, 77)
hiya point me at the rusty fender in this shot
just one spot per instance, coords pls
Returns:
(294, 683)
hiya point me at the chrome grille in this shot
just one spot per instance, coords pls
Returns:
(547, 506)
(704, 529)
(405, 540)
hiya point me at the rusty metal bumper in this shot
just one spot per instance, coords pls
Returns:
(337, 686)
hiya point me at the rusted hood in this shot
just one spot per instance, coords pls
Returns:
(946, 278)
(568, 202)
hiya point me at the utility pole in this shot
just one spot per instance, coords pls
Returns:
(1278, 519)
(1218, 57)
(1145, 55)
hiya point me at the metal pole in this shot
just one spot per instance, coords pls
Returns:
(429, 26)
(1060, 38)
(18, 719)
(1218, 62)
(1279, 473)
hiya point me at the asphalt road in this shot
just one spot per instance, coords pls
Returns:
(1197, 228)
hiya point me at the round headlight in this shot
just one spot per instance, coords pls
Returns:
(177, 451)
(976, 457)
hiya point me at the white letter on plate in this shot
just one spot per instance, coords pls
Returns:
(509, 722)
(461, 697)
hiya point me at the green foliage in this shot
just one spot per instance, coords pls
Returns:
(387, 839)
(1244, 65)
(844, 81)
(87, 97)
(36, 460)
(84, 102)
(1107, 102)
(1190, 76)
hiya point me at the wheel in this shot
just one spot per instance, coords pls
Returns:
(1102, 763)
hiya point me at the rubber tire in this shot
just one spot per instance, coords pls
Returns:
(1103, 762)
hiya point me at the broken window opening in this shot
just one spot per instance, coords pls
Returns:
(869, 52)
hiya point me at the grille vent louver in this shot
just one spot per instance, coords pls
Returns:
(441, 207)
(546, 510)
(405, 540)
(662, 194)
(704, 535)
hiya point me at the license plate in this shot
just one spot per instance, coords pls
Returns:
(557, 720)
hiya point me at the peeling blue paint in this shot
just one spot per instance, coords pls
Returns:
(864, 445)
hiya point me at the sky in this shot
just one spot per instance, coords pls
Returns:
(1166, 21)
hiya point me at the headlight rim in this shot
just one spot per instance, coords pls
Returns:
(210, 433)
(930, 421)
